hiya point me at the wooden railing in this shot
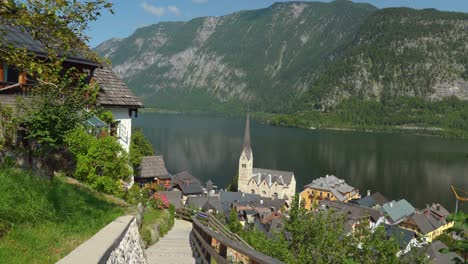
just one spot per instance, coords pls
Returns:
(212, 241)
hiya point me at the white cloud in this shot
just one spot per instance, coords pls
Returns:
(157, 11)
(174, 9)
(200, 1)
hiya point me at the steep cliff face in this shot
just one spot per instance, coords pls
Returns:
(295, 55)
(400, 52)
(262, 58)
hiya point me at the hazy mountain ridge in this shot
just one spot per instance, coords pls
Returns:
(277, 58)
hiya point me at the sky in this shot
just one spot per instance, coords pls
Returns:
(132, 14)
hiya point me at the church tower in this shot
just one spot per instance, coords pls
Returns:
(245, 161)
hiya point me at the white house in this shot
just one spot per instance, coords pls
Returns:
(115, 96)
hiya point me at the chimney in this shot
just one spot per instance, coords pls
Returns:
(427, 205)
(438, 207)
(368, 192)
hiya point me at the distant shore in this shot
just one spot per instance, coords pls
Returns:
(266, 118)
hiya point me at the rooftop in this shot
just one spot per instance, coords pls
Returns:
(272, 176)
(113, 91)
(187, 183)
(153, 166)
(398, 210)
(330, 183)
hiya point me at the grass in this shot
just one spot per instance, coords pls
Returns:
(165, 219)
(42, 220)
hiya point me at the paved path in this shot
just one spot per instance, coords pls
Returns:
(174, 247)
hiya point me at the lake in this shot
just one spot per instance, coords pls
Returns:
(417, 168)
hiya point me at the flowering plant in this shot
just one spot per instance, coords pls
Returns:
(158, 201)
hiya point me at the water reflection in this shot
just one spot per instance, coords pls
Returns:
(419, 169)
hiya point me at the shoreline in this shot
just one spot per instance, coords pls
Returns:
(265, 118)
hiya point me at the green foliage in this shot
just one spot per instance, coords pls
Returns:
(60, 94)
(53, 112)
(163, 218)
(319, 237)
(107, 117)
(43, 220)
(232, 187)
(134, 195)
(447, 117)
(139, 147)
(101, 162)
(234, 225)
(8, 126)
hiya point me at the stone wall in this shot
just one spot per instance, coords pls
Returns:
(118, 242)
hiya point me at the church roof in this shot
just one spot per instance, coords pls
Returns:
(247, 148)
(272, 176)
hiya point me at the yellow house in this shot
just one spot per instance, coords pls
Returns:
(328, 187)
(428, 223)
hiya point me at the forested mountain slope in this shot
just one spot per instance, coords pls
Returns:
(338, 64)
(262, 58)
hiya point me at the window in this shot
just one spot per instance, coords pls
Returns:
(12, 74)
(264, 193)
(244, 166)
(328, 195)
(252, 191)
(275, 195)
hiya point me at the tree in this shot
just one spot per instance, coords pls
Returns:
(101, 162)
(139, 147)
(232, 187)
(234, 225)
(60, 93)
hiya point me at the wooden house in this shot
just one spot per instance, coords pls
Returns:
(113, 94)
(153, 170)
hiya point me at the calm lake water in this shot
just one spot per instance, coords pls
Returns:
(417, 168)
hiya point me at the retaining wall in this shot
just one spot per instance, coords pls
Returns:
(118, 242)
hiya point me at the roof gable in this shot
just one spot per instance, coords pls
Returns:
(153, 166)
(113, 91)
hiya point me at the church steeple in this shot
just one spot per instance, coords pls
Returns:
(247, 149)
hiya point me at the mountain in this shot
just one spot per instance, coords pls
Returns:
(262, 58)
(295, 56)
(399, 52)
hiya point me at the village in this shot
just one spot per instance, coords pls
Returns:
(259, 199)
(264, 199)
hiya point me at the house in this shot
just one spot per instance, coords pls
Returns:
(428, 223)
(116, 97)
(227, 199)
(204, 203)
(374, 200)
(329, 188)
(113, 94)
(187, 184)
(436, 257)
(153, 169)
(269, 223)
(405, 238)
(353, 214)
(264, 182)
(174, 198)
(397, 211)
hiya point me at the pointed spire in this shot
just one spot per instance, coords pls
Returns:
(247, 148)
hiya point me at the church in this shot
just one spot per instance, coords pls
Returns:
(264, 182)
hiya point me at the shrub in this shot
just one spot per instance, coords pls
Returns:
(101, 163)
(158, 201)
(134, 195)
